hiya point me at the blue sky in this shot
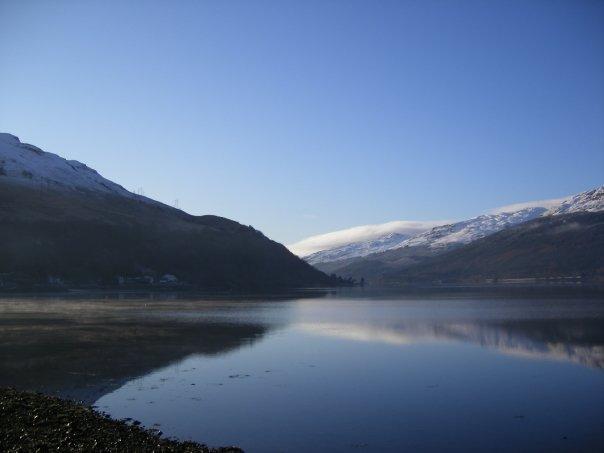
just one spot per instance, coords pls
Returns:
(302, 117)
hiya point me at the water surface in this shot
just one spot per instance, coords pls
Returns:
(345, 371)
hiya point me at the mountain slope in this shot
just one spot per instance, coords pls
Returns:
(444, 237)
(467, 231)
(29, 166)
(590, 201)
(360, 240)
(440, 237)
(358, 249)
(438, 240)
(562, 246)
(63, 221)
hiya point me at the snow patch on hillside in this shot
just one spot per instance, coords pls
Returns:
(469, 230)
(22, 163)
(364, 237)
(363, 248)
(590, 201)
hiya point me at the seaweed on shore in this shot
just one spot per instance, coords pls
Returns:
(35, 422)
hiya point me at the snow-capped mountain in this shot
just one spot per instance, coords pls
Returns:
(355, 249)
(61, 223)
(469, 230)
(26, 164)
(464, 232)
(590, 201)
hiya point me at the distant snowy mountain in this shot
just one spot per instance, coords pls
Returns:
(567, 249)
(469, 230)
(459, 233)
(590, 201)
(363, 238)
(26, 164)
(355, 249)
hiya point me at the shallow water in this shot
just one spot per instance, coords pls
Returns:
(347, 371)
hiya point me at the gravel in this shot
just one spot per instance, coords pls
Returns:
(32, 422)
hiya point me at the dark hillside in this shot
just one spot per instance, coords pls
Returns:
(552, 247)
(83, 238)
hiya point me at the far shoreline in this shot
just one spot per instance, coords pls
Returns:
(453, 289)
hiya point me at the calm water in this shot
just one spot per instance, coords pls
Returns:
(348, 371)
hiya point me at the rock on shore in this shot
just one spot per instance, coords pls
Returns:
(35, 422)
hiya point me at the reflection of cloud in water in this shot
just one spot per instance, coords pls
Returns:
(542, 340)
(84, 348)
(358, 332)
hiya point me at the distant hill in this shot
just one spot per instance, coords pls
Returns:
(562, 247)
(440, 240)
(64, 224)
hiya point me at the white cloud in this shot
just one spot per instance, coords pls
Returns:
(359, 233)
(547, 204)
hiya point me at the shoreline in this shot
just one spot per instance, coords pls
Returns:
(465, 289)
(33, 421)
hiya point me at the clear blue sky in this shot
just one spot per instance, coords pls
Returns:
(301, 117)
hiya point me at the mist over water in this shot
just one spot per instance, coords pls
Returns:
(351, 370)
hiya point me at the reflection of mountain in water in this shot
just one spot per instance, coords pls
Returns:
(86, 350)
(575, 340)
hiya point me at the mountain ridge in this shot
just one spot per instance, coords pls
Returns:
(465, 231)
(63, 224)
(560, 247)
(29, 165)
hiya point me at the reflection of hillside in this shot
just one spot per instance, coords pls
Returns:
(86, 350)
(578, 340)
